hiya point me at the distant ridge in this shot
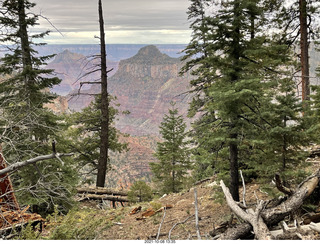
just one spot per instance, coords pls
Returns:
(115, 52)
(151, 55)
(67, 56)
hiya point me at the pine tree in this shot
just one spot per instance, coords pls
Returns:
(237, 81)
(140, 192)
(172, 153)
(85, 136)
(299, 19)
(27, 126)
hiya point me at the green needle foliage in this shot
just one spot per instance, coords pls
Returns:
(140, 192)
(244, 100)
(27, 127)
(85, 136)
(173, 154)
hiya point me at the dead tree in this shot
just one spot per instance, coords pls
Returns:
(104, 134)
(262, 217)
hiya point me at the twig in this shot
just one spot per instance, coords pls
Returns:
(196, 213)
(244, 190)
(164, 215)
(174, 226)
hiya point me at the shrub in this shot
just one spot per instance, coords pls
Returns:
(140, 192)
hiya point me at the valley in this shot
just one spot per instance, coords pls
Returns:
(144, 84)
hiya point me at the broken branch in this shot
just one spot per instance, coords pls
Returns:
(19, 165)
(196, 213)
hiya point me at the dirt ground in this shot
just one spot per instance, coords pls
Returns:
(211, 215)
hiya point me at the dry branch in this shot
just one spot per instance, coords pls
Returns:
(179, 223)
(101, 191)
(268, 216)
(19, 165)
(243, 190)
(196, 213)
(101, 197)
(278, 213)
(253, 217)
(159, 230)
(281, 187)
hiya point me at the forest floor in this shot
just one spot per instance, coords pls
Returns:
(118, 224)
(92, 220)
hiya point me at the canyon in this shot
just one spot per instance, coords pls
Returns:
(144, 84)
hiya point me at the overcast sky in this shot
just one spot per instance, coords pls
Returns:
(126, 21)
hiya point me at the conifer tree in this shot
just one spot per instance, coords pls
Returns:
(27, 126)
(237, 81)
(298, 22)
(173, 155)
(86, 137)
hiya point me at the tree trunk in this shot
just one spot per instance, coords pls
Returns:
(234, 168)
(104, 136)
(304, 50)
(23, 35)
(234, 76)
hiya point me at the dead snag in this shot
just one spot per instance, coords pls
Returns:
(278, 213)
(253, 217)
(275, 214)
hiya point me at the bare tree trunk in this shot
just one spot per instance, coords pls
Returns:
(104, 136)
(270, 216)
(305, 82)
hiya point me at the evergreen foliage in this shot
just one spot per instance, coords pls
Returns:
(86, 137)
(244, 95)
(27, 127)
(172, 153)
(140, 192)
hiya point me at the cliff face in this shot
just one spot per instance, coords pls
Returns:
(145, 85)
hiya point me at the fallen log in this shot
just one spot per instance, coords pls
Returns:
(101, 191)
(276, 214)
(253, 217)
(268, 216)
(135, 210)
(101, 197)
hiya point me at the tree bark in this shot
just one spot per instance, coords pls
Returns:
(304, 45)
(270, 216)
(253, 217)
(23, 35)
(234, 169)
(104, 136)
(101, 191)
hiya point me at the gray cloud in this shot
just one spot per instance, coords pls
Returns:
(120, 16)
